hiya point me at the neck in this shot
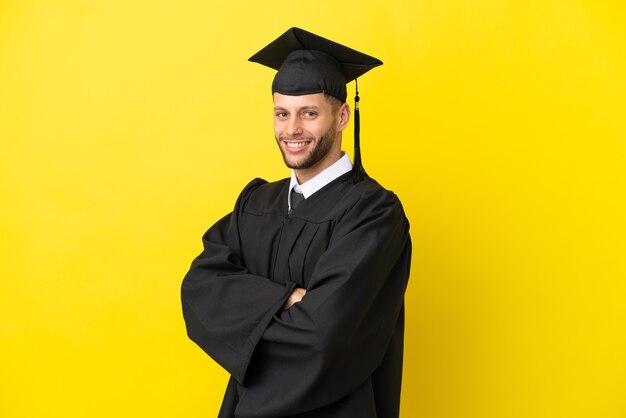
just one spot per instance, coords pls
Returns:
(305, 174)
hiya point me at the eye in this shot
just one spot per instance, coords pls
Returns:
(281, 115)
(309, 114)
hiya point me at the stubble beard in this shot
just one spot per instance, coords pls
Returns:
(320, 150)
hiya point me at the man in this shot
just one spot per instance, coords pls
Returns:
(299, 292)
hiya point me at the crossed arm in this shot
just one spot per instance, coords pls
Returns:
(337, 335)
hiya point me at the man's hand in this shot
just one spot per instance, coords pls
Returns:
(295, 297)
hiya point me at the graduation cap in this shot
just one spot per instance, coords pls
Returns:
(309, 64)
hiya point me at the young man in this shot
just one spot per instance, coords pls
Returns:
(299, 292)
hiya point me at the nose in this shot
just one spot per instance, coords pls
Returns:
(293, 127)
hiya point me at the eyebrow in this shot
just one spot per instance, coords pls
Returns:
(308, 107)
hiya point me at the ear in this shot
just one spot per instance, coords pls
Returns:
(344, 117)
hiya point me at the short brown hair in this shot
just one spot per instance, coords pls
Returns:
(335, 103)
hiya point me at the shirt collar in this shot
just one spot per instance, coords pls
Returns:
(339, 168)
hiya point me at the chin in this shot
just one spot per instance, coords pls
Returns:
(296, 163)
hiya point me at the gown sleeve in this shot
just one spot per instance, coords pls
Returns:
(225, 307)
(329, 344)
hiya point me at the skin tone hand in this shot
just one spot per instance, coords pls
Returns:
(295, 297)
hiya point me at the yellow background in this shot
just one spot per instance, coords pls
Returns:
(129, 127)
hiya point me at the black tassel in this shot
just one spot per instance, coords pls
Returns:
(358, 172)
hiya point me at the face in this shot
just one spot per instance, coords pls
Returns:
(306, 129)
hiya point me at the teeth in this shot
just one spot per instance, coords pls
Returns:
(296, 144)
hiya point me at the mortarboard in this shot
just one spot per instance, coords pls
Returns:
(309, 64)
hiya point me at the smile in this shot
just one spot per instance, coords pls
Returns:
(296, 145)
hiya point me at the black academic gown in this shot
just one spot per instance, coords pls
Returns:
(338, 352)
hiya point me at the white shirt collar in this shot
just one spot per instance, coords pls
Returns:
(339, 168)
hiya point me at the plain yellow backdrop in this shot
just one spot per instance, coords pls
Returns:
(129, 127)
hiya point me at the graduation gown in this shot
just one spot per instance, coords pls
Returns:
(338, 352)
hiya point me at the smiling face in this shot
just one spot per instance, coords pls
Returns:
(308, 131)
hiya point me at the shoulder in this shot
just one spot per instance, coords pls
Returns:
(335, 201)
(370, 187)
(259, 195)
(369, 193)
(370, 211)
